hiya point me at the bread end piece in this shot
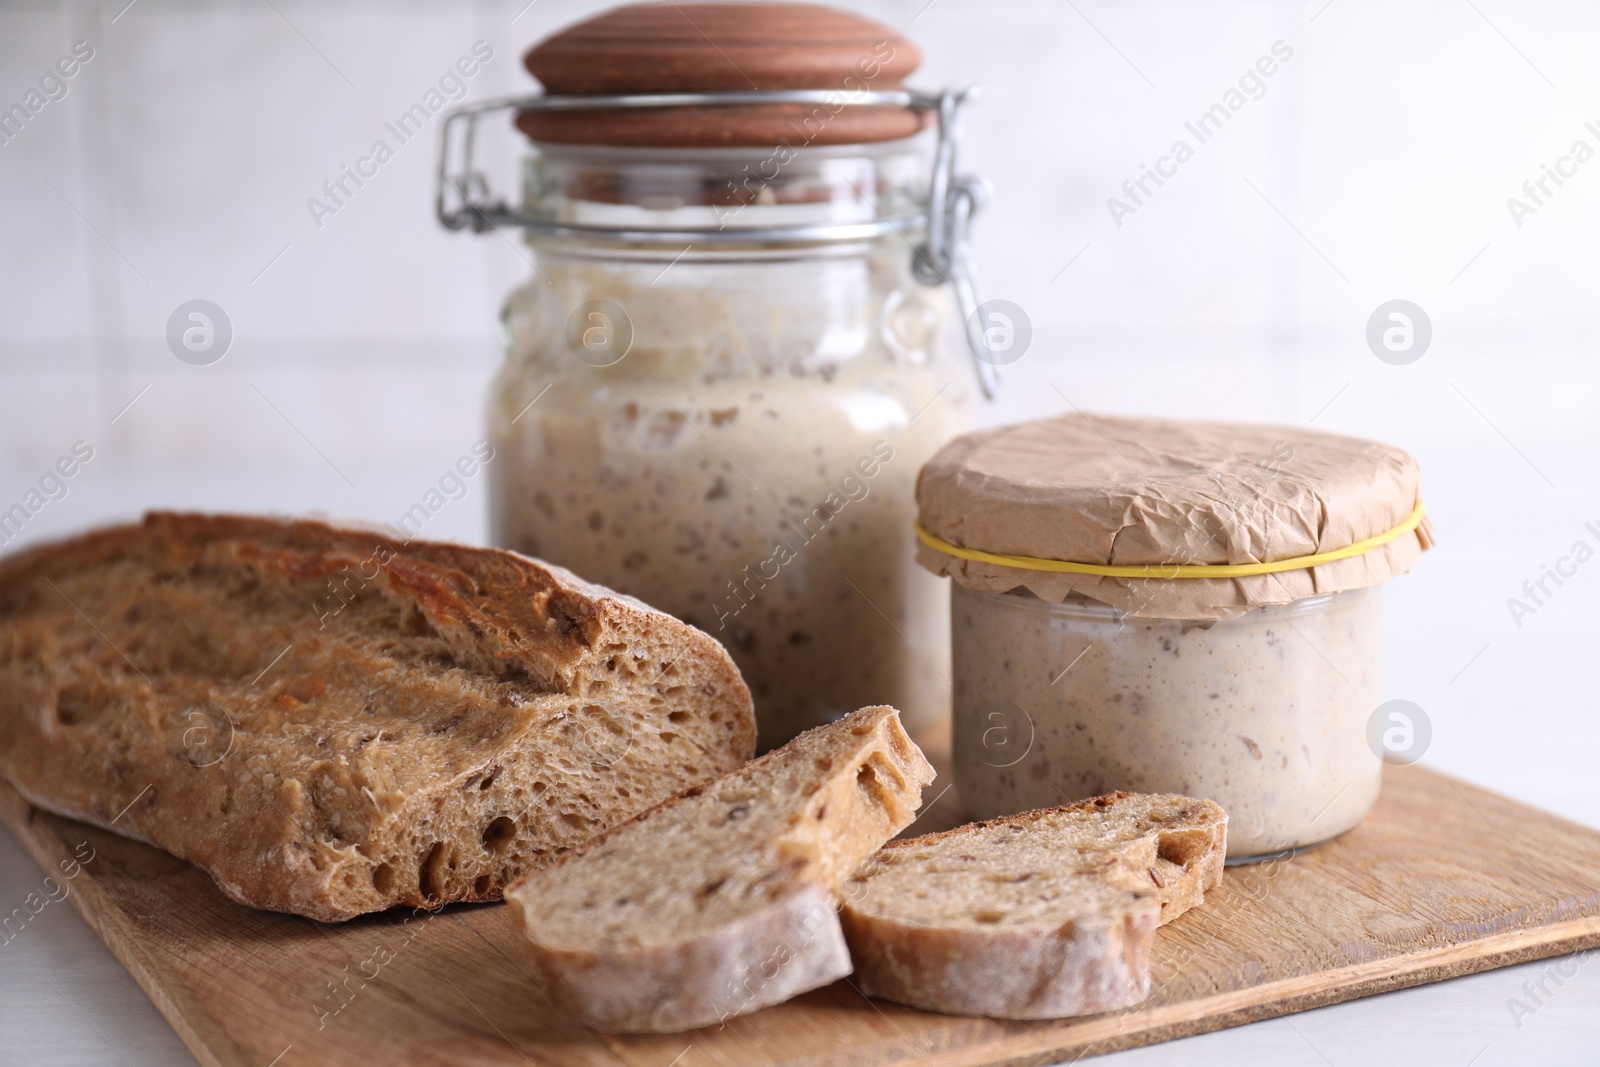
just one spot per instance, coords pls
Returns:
(722, 900)
(1042, 915)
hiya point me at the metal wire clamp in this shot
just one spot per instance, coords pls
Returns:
(463, 197)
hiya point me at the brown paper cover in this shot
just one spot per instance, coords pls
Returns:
(1109, 490)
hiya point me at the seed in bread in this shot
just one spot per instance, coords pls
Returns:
(331, 721)
(1042, 915)
(721, 900)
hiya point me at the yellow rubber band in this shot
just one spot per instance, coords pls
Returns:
(1172, 570)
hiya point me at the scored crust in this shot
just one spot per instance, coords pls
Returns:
(331, 721)
(1041, 915)
(721, 900)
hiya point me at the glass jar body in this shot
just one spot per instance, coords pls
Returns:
(1266, 714)
(748, 465)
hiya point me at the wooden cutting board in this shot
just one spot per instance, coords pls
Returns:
(1443, 879)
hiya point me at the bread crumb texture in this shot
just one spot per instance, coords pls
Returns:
(721, 900)
(1045, 914)
(333, 722)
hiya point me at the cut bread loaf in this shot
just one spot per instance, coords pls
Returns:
(332, 721)
(1037, 916)
(721, 900)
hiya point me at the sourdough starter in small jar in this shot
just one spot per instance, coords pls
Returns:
(1170, 607)
(1265, 714)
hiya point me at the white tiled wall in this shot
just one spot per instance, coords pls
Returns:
(1376, 164)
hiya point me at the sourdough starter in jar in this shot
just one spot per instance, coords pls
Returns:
(747, 466)
(1264, 714)
(725, 371)
(1168, 606)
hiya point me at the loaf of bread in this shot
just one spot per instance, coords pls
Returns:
(1041, 915)
(331, 721)
(721, 900)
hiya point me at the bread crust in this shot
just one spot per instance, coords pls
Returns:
(1076, 969)
(443, 719)
(766, 958)
(1089, 956)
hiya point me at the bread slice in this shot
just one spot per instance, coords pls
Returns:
(1037, 916)
(721, 900)
(332, 721)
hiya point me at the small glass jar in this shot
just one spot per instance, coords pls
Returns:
(1165, 606)
(731, 431)
(1266, 713)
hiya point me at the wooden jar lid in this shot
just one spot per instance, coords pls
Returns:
(741, 47)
